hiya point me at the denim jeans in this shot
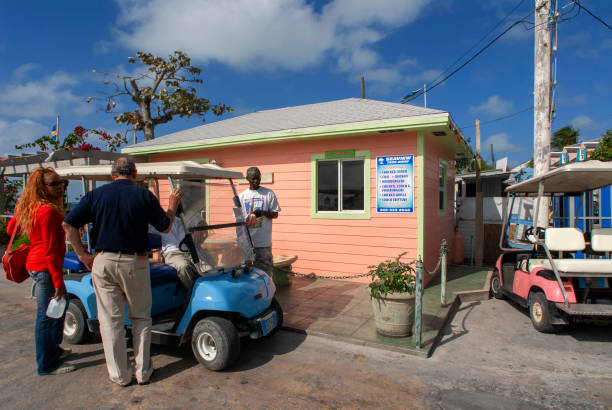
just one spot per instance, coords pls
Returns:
(48, 332)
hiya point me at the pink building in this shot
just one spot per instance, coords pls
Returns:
(358, 180)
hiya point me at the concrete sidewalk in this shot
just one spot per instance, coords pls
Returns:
(343, 310)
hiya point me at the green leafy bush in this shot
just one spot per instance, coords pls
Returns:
(4, 238)
(603, 152)
(392, 276)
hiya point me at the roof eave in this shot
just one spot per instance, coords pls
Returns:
(431, 122)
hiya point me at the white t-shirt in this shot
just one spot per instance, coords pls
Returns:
(263, 199)
(172, 239)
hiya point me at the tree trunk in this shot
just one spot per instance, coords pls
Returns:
(149, 126)
(149, 130)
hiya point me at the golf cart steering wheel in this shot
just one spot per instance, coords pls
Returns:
(533, 234)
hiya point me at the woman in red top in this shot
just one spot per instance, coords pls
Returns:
(39, 214)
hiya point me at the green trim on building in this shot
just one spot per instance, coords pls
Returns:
(421, 194)
(443, 212)
(365, 154)
(310, 133)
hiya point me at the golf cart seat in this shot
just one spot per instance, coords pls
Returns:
(162, 274)
(572, 240)
(72, 263)
(601, 239)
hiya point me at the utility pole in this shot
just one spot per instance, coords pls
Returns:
(362, 88)
(541, 99)
(478, 223)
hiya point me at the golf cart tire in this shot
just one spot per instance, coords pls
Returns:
(279, 317)
(496, 286)
(75, 323)
(540, 313)
(215, 343)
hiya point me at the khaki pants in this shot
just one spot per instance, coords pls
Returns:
(263, 259)
(117, 279)
(185, 269)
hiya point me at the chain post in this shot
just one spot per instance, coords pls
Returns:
(418, 299)
(443, 256)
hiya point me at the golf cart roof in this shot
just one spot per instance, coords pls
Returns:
(179, 169)
(571, 178)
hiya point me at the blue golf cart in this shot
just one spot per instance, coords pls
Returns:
(230, 299)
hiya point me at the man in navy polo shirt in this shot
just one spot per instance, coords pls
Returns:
(121, 213)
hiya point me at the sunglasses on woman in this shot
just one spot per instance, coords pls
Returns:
(56, 183)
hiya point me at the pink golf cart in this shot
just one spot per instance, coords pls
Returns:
(554, 271)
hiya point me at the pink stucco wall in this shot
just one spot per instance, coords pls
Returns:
(437, 227)
(332, 247)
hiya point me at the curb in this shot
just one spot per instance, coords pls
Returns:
(400, 349)
(465, 296)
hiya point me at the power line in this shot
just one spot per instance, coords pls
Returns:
(576, 2)
(479, 41)
(500, 118)
(421, 92)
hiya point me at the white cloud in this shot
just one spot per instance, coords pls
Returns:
(578, 99)
(268, 34)
(19, 132)
(23, 69)
(494, 106)
(502, 143)
(582, 122)
(36, 99)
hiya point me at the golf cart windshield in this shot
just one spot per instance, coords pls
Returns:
(217, 237)
(215, 225)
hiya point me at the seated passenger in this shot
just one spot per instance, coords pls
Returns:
(173, 256)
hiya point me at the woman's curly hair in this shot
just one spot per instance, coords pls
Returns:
(33, 196)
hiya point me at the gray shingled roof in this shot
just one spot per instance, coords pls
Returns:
(339, 112)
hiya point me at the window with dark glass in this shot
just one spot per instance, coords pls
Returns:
(340, 185)
(442, 190)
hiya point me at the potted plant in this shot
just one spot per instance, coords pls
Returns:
(392, 295)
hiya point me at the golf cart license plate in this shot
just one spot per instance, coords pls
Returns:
(268, 323)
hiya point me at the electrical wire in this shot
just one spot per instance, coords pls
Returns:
(577, 3)
(500, 118)
(418, 94)
(431, 86)
(479, 41)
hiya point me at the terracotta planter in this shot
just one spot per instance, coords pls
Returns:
(394, 314)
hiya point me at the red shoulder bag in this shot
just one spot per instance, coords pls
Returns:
(14, 262)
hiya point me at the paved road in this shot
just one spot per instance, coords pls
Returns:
(490, 358)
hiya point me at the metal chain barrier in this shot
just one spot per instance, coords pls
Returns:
(418, 292)
(313, 276)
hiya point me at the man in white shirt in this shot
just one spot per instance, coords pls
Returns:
(262, 204)
(173, 256)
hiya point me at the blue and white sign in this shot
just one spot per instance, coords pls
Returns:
(395, 184)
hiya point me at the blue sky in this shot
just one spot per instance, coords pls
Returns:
(265, 54)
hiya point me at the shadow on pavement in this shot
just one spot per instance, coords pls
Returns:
(461, 332)
(258, 352)
(583, 331)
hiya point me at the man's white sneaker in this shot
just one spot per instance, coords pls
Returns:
(64, 368)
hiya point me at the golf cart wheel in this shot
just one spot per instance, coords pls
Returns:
(215, 343)
(279, 317)
(496, 287)
(75, 323)
(539, 311)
